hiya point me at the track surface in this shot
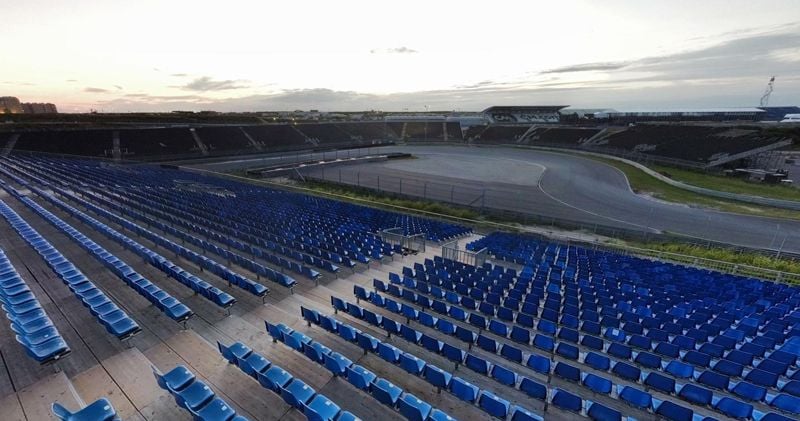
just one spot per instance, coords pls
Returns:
(545, 183)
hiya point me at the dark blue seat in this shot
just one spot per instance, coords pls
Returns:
(217, 409)
(543, 342)
(627, 371)
(567, 372)
(275, 378)
(728, 368)
(679, 369)
(734, 409)
(493, 404)
(567, 401)
(762, 378)
(697, 358)
(749, 391)
(597, 361)
(538, 363)
(671, 411)
(636, 398)
(437, 377)
(477, 364)
(512, 353)
(661, 383)
(413, 408)
(385, 392)
(504, 375)
(714, 380)
(321, 409)
(786, 403)
(519, 413)
(533, 389)
(598, 412)
(648, 360)
(336, 363)
(620, 351)
(696, 394)
(174, 380)
(412, 364)
(464, 390)
(567, 351)
(389, 352)
(597, 384)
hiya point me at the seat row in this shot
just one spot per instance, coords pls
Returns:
(765, 374)
(380, 389)
(156, 260)
(743, 389)
(116, 321)
(165, 302)
(204, 262)
(35, 331)
(193, 395)
(315, 406)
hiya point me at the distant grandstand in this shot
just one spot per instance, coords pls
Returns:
(524, 114)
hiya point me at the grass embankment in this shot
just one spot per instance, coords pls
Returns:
(729, 184)
(643, 183)
(725, 255)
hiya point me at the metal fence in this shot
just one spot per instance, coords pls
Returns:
(475, 258)
(395, 236)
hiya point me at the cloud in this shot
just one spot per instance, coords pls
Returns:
(397, 50)
(205, 83)
(587, 67)
(72, 80)
(179, 75)
(94, 90)
(118, 87)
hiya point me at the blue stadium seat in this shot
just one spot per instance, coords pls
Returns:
(464, 390)
(567, 401)
(597, 384)
(413, 408)
(493, 404)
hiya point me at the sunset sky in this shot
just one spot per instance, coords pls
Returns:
(352, 55)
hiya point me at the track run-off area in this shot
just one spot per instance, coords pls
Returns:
(549, 184)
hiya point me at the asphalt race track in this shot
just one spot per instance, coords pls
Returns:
(550, 184)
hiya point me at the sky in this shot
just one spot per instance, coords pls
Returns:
(235, 55)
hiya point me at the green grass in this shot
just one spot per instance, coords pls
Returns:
(726, 255)
(643, 183)
(729, 184)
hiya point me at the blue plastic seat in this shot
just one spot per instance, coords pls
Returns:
(567, 351)
(567, 372)
(636, 398)
(696, 394)
(714, 380)
(174, 380)
(389, 352)
(321, 409)
(597, 384)
(412, 364)
(627, 371)
(504, 375)
(697, 358)
(100, 410)
(661, 383)
(598, 412)
(519, 413)
(786, 403)
(254, 364)
(749, 391)
(217, 409)
(337, 363)
(464, 390)
(543, 342)
(620, 351)
(194, 396)
(477, 364)
(386, 392)
(679, 369)
(597, 361)
(512, 353)
(674, 412)
(413, 408)
(734, 409)
(437, 377)
(729, 368)
(762, 378)
(275, 378)
(360, 377)
(493, 404)
(567, 401)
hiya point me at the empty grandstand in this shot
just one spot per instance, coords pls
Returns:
(351, 326)
(523, 114)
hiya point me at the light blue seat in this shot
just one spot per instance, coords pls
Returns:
(275, 378)
(99, 410)
(360, 377)
(389, 352)
(321, 409)
(217, 409)
(297, 393)
(194, 396)
(174, 380)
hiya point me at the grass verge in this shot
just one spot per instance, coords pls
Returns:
(729, 184)
(725, 255)
(643, 183)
